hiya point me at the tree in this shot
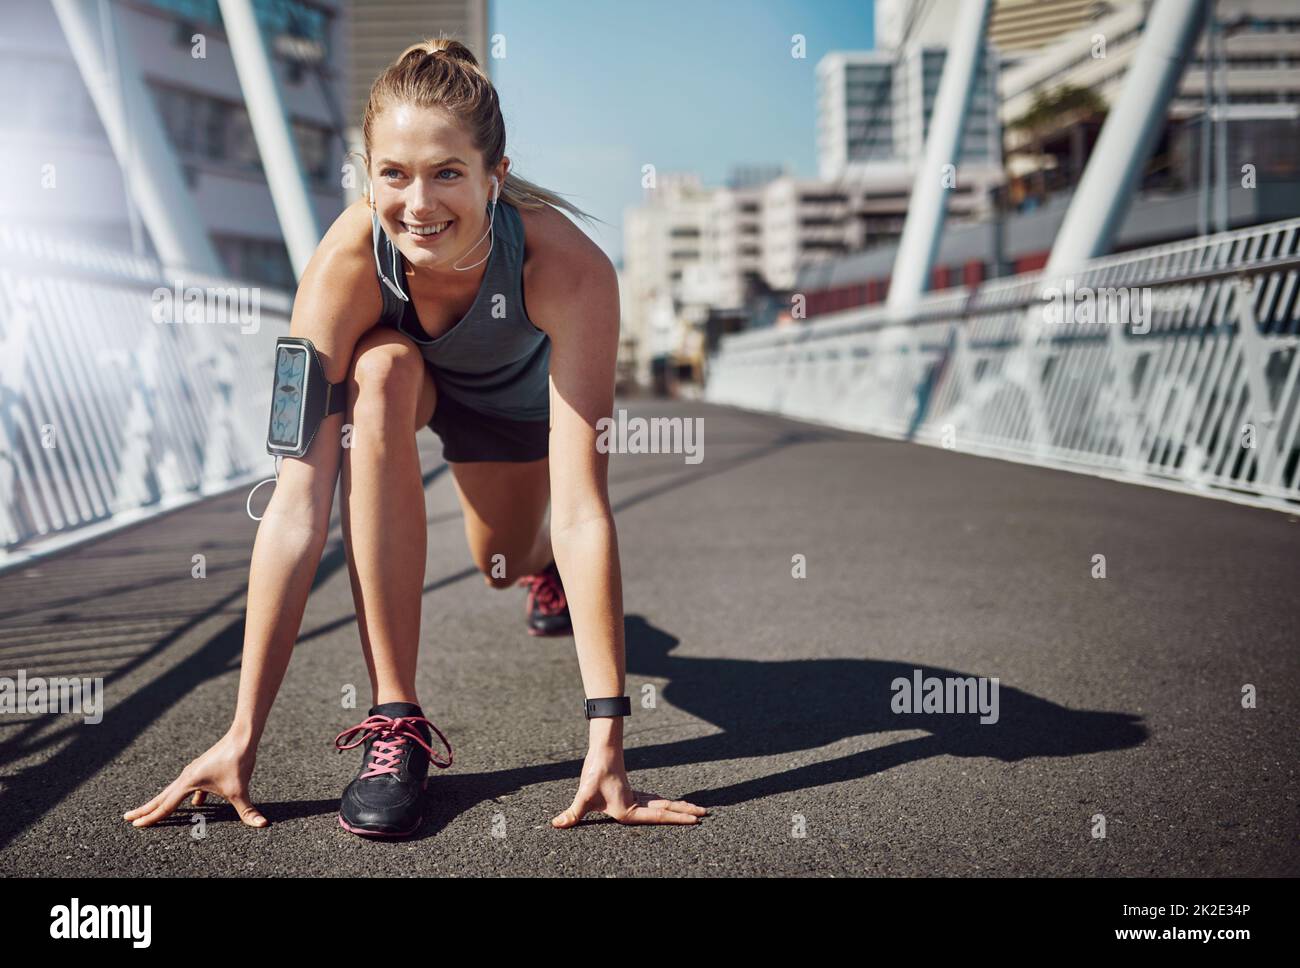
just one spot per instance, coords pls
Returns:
(1067, 106)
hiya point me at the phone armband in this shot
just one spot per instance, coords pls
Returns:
(301, 398)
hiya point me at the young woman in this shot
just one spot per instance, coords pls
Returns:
(455, 296)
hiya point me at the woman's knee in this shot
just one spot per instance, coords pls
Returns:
(387, 370)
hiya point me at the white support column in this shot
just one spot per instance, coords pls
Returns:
(266, 110)
(150, 168)
(1135, 121)
(927, 206)
(1102, 197)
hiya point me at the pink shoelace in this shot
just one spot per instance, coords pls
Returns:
(388, 747)
(547, 591)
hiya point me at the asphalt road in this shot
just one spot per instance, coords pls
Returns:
(1118, 697)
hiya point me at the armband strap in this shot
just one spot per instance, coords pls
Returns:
(301, 397)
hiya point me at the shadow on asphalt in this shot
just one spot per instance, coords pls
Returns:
(762, 708)
(47, 783)
(767, 708)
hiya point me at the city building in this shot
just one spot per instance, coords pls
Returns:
(1050, 127)
(662, 238)
(699, 261)
(903, 23)
(874, 111)
(873, 115)
(1018, 28)
(971, 252)
(1054, 100)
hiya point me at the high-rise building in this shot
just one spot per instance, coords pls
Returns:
(855, 110)
(874, 109)
(1021, 27)
(662, 239)
(1016, 27)
(1260, 79)
(732, 257)
(902, 23)
(1055, 100)
(874, 114)
(916, 89)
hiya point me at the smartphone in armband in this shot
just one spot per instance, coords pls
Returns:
(300, 398)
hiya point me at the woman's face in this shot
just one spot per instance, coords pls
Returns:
(427, 175)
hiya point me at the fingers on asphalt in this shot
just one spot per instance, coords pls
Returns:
(571, 816)
(679, 806)
(170, 799)
(145, 809)
(247, 812)
(657, 815)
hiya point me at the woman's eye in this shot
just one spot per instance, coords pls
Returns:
(394, 172)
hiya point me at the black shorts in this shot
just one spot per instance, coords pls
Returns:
(469, 435)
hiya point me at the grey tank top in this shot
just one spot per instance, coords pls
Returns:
(494, 360)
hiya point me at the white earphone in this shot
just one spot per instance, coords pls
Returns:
(496, 192)
(374, 236)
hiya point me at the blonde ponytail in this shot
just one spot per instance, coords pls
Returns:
(443, 73)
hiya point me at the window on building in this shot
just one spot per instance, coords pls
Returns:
(256, 260)
(203, 128)
(278, 18)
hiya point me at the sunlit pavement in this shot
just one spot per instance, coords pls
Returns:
(763, 696)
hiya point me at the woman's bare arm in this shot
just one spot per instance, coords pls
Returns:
(575, 302)
(337, 301)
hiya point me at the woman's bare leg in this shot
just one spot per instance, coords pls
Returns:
(390, 396)
(505, 506)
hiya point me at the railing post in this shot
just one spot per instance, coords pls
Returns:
(270, 120)
(1254, 358)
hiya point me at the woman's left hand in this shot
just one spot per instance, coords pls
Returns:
(604, 787)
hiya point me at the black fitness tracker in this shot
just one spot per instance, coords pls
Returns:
(613, 706)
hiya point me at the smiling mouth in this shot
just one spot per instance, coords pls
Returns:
(427, 231)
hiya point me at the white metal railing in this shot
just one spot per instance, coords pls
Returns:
(1205, 399)
(107, 415)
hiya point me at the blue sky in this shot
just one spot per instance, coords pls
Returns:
(592, 90)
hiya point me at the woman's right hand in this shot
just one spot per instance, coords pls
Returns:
(225, 770)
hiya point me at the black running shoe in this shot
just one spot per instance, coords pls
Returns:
(385, 798)
(547, 608)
